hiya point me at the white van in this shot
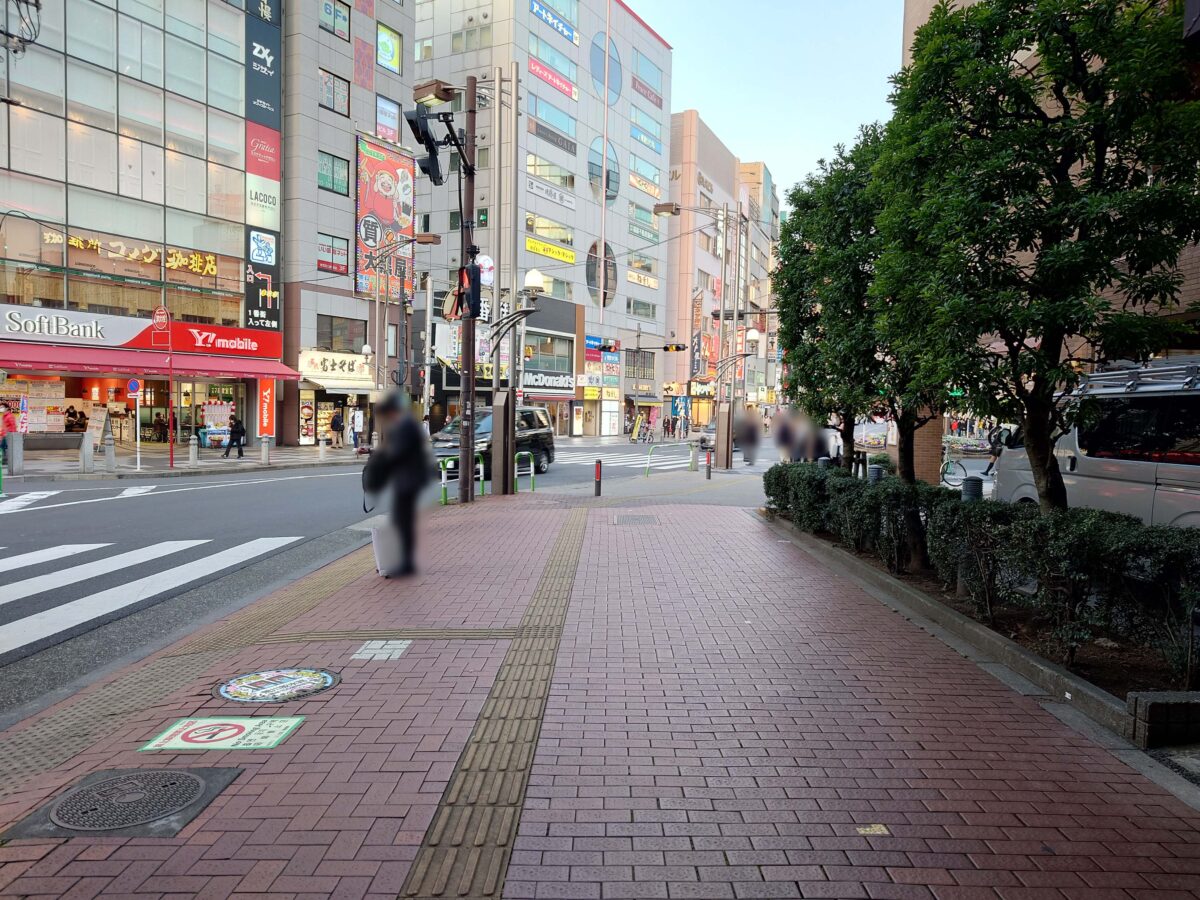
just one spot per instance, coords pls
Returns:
(1135, 450)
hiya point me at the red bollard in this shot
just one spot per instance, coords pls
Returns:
(708, 465)
(597, 478)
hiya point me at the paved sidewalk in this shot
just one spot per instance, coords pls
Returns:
(596, 700)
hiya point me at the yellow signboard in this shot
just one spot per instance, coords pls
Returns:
(562, 254)
(642, 184)
(611, 393)
(591, 393)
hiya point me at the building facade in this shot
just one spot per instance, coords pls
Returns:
(140, 173)
(348, 200)
(708, 262)
(583, 110)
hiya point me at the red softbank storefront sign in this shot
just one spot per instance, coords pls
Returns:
(54, 326)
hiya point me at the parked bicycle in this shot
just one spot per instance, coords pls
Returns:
(953, 471)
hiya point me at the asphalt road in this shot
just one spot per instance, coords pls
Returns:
(96, 573)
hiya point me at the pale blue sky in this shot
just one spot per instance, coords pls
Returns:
(781, 81)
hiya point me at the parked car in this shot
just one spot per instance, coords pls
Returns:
(535, 434)
(1135, 448)
(708, 437)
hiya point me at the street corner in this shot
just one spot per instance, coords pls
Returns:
(330, 756)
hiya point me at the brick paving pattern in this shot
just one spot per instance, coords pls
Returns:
(726, 719)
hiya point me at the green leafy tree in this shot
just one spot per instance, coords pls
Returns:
(840, 360)
(1040, 184)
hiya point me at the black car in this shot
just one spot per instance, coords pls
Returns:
(535, 434)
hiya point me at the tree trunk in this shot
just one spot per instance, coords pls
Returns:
(906, 465)
(848, 440)
(1039, 446)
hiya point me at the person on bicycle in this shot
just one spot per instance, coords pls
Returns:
(995, 448)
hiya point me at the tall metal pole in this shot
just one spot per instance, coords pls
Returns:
(737, 312)
(497, 223)
(427, 388)
(724, 233)
(745, 301)
(466, 441)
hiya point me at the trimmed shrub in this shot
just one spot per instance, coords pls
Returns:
(777, 487)
(808, 497)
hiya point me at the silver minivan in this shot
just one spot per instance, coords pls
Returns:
(1135, 448)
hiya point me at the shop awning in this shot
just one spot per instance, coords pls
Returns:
(643, 399)
(21, 357)
(339, 387)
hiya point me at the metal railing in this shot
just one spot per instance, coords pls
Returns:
(653, 447)
(445, 465)
(517, 472)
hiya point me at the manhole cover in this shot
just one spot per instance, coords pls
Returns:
(636, 520)
(276, 685)
(127, 800)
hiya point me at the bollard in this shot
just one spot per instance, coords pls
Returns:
(265, 452)
(874, 474)
(16, 454)
(110, 454)
(694, 459)
(823, 462)
(972, 489)
(708, 465)
(597, 478)
(322, 444)
(374, 439)
(193, 451)
(86, 451)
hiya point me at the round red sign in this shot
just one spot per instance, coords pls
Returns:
(161, 318)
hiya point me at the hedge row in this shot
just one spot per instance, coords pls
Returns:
(1087, 573)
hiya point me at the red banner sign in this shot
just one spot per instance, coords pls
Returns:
(266, 408)
(553, 79)
(262, 151)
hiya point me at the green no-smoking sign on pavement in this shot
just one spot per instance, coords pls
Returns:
(227, 733)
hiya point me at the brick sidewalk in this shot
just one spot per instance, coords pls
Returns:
(665, 701)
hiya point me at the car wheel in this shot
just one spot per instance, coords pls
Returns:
(541, 462)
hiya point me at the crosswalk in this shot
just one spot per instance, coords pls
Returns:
(52, 593)
(20, 501)
(666, 457)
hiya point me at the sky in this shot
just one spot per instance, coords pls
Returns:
(782, 81)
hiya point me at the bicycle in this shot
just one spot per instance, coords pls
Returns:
(953, 472)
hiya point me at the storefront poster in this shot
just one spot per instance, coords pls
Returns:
(308, 418)
(263, 306)
(384, 215)
(68, 326)
(266, 407)
(263, 81)
(333, 254)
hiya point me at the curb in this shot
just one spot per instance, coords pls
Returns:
(175, 473)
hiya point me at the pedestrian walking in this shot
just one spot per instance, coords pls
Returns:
(748, 437)
(405, 462)
(237, 436)
(995, 448)
(356, 426)
(785, 437)
(8, 425)
(337, 428)
(425, 424)
(687, 426)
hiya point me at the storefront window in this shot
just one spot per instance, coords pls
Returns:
(550, 354)
(548, 171)
(549, 229)
(551, 115)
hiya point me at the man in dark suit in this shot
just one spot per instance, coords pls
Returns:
(406, 460)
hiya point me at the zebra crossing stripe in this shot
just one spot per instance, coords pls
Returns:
(46, 555)
(48, 582)
(22, 500)
(137, 491)
(68, 615)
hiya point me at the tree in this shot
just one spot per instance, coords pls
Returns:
(841, 353)
(1040, 184)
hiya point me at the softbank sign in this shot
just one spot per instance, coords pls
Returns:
(26, 323)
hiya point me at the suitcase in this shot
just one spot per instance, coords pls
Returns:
(385, 541)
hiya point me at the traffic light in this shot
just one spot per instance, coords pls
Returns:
(675, 348)
(470, 292)
(419, 123)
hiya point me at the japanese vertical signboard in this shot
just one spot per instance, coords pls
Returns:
(264, 155)
(384, 215)
(266, 407)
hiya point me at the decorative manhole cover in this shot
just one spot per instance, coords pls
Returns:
(636, 520)
(276, 685)
(127, 800)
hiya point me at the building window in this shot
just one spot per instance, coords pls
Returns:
(389, 48)
(644, 169)
(642, 310)
(333, 173)
(455, 220)
(393, 340)
(387, 119)
(471, 39)
(424, 223)
(645, 129)
(423, 49)
(553, 57)
(549, 171)
(616, 75)
(556, 287)
(481, 217)
(549, 229)
(482, 158)
(597, 159)
(335, 93)
(643, 215)
(333, 254)
(551, 115)
(643, 263)
(708, 243)
(335, 18)
(550, 354)
(340, 334)
(647, 72)
(639, 364)
(568, 10)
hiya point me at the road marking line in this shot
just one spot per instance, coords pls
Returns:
(136, 491)
(30, 586)
(68, 615)
(23, 500)
(46, 555)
